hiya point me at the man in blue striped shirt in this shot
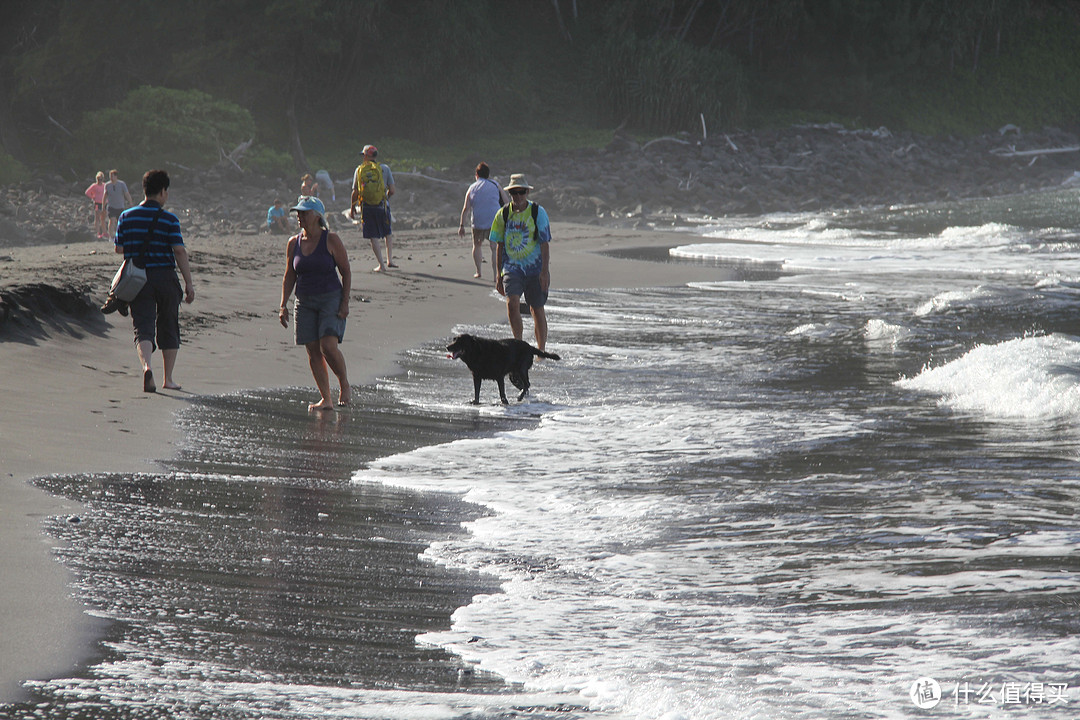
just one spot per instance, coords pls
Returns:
(155, 311)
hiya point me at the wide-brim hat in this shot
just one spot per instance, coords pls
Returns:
(518, 182)
(309, 202)
(370, 151)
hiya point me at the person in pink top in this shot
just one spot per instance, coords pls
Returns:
(96, 193)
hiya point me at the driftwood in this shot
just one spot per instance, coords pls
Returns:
(432, 179)
(236, 154)
(663, 139)
(1013, 152)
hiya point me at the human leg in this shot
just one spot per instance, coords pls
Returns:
(168, 359)
(145, 349)
(317, 362)
(336, 362)
(478, 250)
(495, 260)
(375, 229)
(378, 255)
(536, 296)
(513, 314)
(539, 326)
(389, 239)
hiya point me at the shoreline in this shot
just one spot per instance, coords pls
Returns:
(79, 407)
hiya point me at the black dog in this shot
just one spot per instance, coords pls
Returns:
(495, 359)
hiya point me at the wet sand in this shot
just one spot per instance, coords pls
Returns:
(74, 401)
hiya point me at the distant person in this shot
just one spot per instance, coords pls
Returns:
(373, 186)
(308, 186)
(117, 199)
(277, 219)
(484, 197)
(96, 193)
(155, 311)
(522, 233)
(314, 259)
(326, 187)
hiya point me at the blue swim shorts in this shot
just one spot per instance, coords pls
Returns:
(376, 220)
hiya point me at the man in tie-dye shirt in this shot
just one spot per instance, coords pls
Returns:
(522, 234)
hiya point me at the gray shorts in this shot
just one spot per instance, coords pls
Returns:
(316, 317)
(518, 285)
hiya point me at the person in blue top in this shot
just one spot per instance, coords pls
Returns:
(314, 259)
(277, 219)
(522, 234)
(155, 311)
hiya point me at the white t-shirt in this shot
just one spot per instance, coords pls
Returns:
(485, 198)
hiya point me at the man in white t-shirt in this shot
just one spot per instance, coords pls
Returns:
(117, 199)
(484, 197)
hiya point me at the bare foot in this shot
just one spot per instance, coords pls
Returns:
(344, 397)
(391, 264)
(148, 381)
(476, 275)
(320, 406)
(378, 268)
(170, 385)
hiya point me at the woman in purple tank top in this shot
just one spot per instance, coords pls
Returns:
(314, 260)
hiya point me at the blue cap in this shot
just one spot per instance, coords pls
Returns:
(308, 202)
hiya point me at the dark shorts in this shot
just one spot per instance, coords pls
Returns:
(97, 206)
(518, 285)
(115, 212)
(155, 311)
(316, 317)
(376, 220)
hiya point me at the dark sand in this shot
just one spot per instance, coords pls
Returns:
(74, 405)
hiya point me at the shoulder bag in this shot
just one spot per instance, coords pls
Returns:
(130, 278)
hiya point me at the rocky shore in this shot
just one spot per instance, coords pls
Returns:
(628, 184)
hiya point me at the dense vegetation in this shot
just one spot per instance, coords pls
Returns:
(86, 87)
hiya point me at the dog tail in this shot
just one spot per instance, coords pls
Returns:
(549, 356)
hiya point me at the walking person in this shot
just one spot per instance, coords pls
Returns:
(373, 186)
(117, 199)
(522, 234)
(155, 311)
(314, 259)
(484, 198)
(96, 193)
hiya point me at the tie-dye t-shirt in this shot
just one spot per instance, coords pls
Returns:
(521, 240)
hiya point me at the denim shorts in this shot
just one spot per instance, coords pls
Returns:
(316, 317)
(529, 286)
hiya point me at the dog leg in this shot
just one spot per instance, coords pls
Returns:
(502, 391)
(476, 389)
(523, 377)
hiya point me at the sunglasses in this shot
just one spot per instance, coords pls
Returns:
(518, 192)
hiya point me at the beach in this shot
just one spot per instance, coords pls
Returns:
(74, 401)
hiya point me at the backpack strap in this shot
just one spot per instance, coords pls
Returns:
(141, 258)
(534, 207)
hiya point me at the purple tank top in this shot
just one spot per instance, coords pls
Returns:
(316, 273)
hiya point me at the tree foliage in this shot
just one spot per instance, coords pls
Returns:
(155, 127)
(314, 74)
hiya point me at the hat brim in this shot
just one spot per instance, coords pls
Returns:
(508, 188)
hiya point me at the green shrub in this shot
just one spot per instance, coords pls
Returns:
(267, 161)
(157, 127)
(11, 170)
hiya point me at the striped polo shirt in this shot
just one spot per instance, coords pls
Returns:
(135, 223)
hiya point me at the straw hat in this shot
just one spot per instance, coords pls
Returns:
(518, 182)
